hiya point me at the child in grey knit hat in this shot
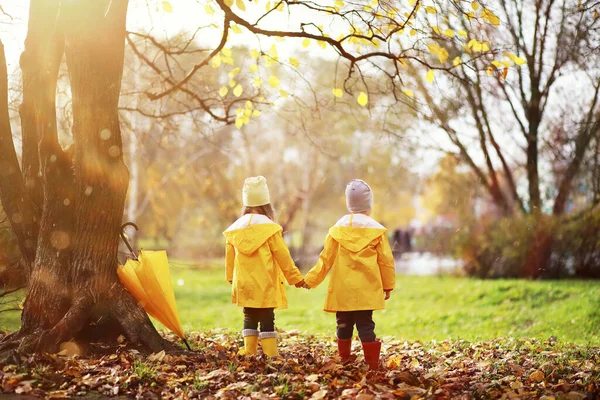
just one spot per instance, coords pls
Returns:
(363, 274)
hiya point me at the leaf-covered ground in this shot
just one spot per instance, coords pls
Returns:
(309, 368)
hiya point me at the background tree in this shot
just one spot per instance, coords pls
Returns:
(507, 126)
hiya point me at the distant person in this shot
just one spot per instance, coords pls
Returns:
(257, 260)
(406, 242)
(358, 253)
(397, 242)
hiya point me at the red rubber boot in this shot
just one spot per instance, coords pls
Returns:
(344, 348)
(372, 350)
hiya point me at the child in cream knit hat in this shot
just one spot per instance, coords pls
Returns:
(257, 263)
(359, 256)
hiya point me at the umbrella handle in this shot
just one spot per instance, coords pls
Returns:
(122, 234)
(187, 344)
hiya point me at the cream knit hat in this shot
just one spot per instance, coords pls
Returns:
(359, 196)
(255, 192)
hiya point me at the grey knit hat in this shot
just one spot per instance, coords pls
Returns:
(359, 196)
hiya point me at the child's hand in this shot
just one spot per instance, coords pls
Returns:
(230, 282)
(388, 294)
(302, 284)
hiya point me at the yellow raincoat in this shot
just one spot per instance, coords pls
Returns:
(359, 256)
(257, 262)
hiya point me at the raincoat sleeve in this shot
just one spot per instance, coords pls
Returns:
(385, 259)
(281, 254)
(317, 274)
(229, 261)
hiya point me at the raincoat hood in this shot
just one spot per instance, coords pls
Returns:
(250, 232)
(354, 232)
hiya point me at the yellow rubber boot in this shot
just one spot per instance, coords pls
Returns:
(250, 342)
(268, 342)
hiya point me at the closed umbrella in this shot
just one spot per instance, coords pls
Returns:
(148, 279)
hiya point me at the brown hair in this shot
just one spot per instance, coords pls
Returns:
(266, 209)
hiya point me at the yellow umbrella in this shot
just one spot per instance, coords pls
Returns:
(148, 279)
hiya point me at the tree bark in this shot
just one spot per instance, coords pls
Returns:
(15, 198)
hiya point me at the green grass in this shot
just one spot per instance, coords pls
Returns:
(421, 308)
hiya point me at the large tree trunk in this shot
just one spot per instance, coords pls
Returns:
(73, 282)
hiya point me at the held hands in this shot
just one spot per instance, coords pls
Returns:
(302, 284)
(388, 294)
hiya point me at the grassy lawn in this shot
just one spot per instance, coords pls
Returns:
(421, 308)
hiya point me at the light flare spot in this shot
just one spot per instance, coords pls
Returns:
(67, 202)
(88, 191)
(53, 158)
(69, 349)
(105, 134)
(60, 240)
(17, 218)
(114, 151)
(180, 282)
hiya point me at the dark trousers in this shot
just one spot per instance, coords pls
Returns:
(264, 316)
(363, 320)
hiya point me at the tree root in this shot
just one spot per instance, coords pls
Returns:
(121, 308)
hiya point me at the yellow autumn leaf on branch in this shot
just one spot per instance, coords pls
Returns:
(257, 82)
(274, 81)
(253, 68)
(255, 113)
(215, 62)
(240, 4)
(239, 122)
(475, 6)
(430, 10)
(339, 3)
(254, 54)
(408, 92)
(462, 33)
(322, 44)
(237, 92)
(362, 99)
(430, 76)
(294, 62)
(209, 10)
(223, 91)
(516, 59)
(234, 72)
(449, 33)
(413, 32)
(229, 3)
(283, 93)
(167, 7)
(306, 43)
(490, 17)
(236, 29)
(337, 92)
(457, 61)
(273, 53)
(268, 6)
(436, 49)
(232, 83)
(280, 6)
